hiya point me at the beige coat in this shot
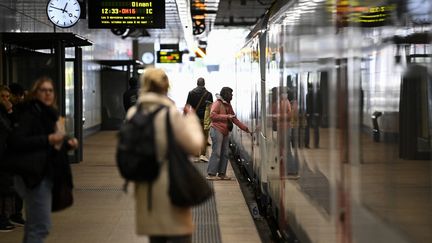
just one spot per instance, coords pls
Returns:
(165, 218)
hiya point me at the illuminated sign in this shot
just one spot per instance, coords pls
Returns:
(107, 14)
(169, 57)
(365, 13)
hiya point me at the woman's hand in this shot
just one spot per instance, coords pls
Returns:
(55, 138)
(73, 143)
(188, 109)
(231, 116)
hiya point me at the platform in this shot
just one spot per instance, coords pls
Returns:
(103, 213)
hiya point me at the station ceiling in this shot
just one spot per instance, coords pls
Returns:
(216, 14)
(181, 15)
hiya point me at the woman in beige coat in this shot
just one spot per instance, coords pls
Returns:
(164, 222)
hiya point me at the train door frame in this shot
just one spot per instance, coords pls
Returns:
(55, 44)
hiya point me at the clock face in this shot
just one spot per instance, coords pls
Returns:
(148, 57)
(63, 13)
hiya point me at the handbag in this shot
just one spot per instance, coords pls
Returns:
(230, 124)
(62, 191)
(187, 186)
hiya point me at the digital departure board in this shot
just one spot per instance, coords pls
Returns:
(107, 14)
(169, 57)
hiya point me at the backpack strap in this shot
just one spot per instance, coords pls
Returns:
(202, 97)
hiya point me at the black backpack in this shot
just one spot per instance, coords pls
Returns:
(136, 149)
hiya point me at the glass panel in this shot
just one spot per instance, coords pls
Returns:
(70, 102)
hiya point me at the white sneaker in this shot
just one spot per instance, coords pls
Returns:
(203, 158)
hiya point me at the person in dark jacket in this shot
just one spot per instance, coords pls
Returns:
(6, 181)
(130, 97)
(37, 138)
(199, 98)
(17, 94)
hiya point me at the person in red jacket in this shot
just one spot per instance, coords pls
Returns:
(221, 115)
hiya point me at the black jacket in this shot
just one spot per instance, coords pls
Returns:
(5, 129)
(29, 140)
(194, 97)
(130, 97)
(6, 182)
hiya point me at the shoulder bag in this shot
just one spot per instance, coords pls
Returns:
(187, 186)
(62, 191)
(230, 124)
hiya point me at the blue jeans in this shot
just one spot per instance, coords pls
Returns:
(218, 161)
(38, 209)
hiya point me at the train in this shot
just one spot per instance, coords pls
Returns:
(348, 157)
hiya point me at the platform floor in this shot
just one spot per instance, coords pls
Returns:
(102, 213)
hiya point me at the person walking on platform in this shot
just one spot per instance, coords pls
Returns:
(223, 117)
(156, 216)
(130, 96)
(37, 139)
(6, 180)
(199, 98)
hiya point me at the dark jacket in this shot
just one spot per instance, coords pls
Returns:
(5, 129)
(6, 181)
(29, 140)
(130, 97)
(194, 97)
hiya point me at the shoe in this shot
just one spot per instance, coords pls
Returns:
(203, 158)
(224, 177)
(17, 220)
(6, 227)
(212, 178)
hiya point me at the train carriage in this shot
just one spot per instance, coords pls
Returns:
(349, 159)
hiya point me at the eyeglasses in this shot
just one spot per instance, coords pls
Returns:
(43, 90)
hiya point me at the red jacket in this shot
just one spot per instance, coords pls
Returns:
(219, 115)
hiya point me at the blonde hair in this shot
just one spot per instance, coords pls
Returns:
(154, 80)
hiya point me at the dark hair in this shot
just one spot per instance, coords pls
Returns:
(200, 82)
(133, 82)
(225, 91)
(16, 89)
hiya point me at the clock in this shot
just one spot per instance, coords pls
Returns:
(63, 13)
(148, 58)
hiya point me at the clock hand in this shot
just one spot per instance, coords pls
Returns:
(56, 8)
(64, 9)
